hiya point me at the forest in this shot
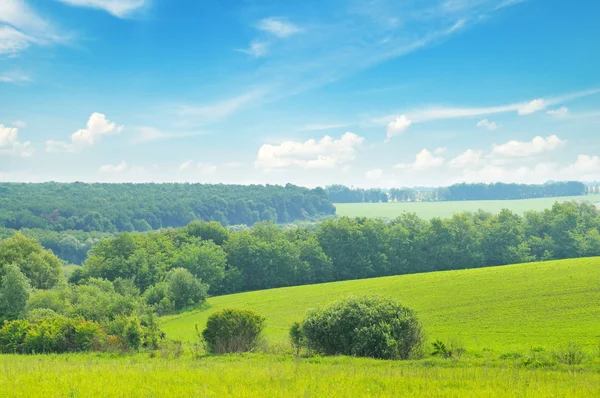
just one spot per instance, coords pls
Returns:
(268, 256)
(457, 192)
(144, 207)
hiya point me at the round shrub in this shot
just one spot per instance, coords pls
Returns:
(366, 326)
(232, 330)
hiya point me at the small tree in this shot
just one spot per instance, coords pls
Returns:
(232, 330)
(14, 292)
(133, 334)
(368, 326)
(184, 289)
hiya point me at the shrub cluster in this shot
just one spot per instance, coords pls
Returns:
(232, 330)
(367, 326)
(55, 334)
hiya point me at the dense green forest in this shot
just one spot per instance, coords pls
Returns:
(144, 207)
(457, 192)
(268, 256)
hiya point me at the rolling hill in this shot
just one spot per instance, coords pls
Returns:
(506, 308)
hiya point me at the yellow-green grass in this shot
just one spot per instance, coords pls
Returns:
(502, 309)
(430, 210)
(281, 376)
(69, 269)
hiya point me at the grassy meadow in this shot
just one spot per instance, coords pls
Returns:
(91, 375)
(428, 210)
(496, 309)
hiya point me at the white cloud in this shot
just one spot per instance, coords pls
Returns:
(207, 169)
(562, 111)
(469, 158)
(10, 144)
(487, 124)
(374, 174)
(118, 8)
(97, 126)
(14, 77)
(149, 134)
(397, 126)
(278, 27)
(58, 146)
(443, 113)
(19, 123)
(311, 154)
(424, 160)
(114, 168)
(186, 165)
(532, 107)
(256, 49)
(584, 165)
(523, 149)
(439, 151)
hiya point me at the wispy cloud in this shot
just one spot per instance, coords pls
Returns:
(487, 124)
(118, 8)
(278, 27)
(256, 49)
(342, 42)
(441, 113)
(213, 112)
(14, 78)
(21, 27)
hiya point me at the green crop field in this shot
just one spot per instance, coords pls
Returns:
(499, 309)
(90, 375)
(429, 210)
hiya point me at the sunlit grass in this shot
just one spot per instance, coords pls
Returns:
(280, 376)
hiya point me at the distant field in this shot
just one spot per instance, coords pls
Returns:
(429, 210)
(497, 309)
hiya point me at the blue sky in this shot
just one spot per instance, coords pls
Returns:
(370, 93)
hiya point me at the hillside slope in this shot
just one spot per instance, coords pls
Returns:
(505, 308)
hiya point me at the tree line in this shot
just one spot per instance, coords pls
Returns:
(144, 207)
(110, 302)
(267, 256)
(457, 192)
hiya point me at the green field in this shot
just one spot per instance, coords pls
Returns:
(512, 320)
(428, 210)
(499, 309)
(282, 376)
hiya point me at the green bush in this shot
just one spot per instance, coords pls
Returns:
(51, 335)
(232, 330)
(367, 326)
